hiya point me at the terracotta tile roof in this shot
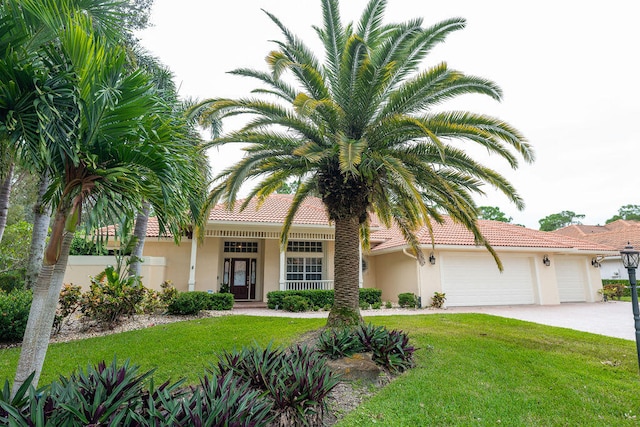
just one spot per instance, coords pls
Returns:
(273, 210)
(498, 234)
(616, 234)
(449, 233)
(153, 229)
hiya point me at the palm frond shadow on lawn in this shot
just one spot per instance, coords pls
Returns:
(482, 369)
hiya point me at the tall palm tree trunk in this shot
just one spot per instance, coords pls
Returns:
(46, 293)
(42, 216)
(139, 232)
(346, 308)
(5, 191)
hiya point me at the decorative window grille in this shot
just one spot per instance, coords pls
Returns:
(304, 246)
(242, 247)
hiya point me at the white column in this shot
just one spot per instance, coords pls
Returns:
(192, 264)
(283, 268)
(360, 281)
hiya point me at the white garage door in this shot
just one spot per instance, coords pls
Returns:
(475, 280)
(572, 279)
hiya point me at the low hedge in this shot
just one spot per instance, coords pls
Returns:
(188, 303)
(320, 298)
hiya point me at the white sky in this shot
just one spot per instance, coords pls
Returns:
(569, 71)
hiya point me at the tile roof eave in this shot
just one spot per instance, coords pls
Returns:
(217, 224)
(502, 249)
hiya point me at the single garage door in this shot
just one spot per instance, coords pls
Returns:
(572, 279)
(469, 280)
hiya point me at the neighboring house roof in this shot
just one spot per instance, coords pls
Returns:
(312, 212)
(616, 234)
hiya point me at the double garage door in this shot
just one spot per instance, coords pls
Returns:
(472, 280)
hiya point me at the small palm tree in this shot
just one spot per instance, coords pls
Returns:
(123, 151)
(361, 129)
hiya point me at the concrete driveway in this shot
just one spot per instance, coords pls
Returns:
(613, 318)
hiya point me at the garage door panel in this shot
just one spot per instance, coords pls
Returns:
(473, 280)
(572, 279)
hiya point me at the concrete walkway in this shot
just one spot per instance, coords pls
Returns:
(613, 318)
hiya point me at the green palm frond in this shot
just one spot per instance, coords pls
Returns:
(350, 153)
(333, 38)
(280, 88)
(370, 25)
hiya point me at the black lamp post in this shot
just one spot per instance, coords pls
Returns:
(630, 260)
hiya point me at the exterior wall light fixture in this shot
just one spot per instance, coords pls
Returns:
(432, 259)
(546, 261)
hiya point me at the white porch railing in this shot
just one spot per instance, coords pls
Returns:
(305, 285)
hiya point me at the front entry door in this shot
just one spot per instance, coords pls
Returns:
(240, 278)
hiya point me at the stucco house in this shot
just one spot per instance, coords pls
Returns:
(242, 250)
(616, 234)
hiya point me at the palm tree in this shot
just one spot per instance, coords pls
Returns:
(185, 133)
(362, 130)
(121, 153)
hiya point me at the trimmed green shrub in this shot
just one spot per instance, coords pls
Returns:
(407, 300)
(188, 303)
(11, 280)
(315, 298)
(220, 301)
(371, 295)
(320, 298)
(14, 313)
(295, 303)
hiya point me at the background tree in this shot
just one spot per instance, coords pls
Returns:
(559, 220)
(627, 212)
(361, 131)
(493, 213)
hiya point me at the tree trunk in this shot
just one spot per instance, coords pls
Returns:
(139, 232)
(5, 191)
(46, 293)
(42, 216)
(346, 308)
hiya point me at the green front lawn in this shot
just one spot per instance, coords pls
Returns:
(473, 369)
